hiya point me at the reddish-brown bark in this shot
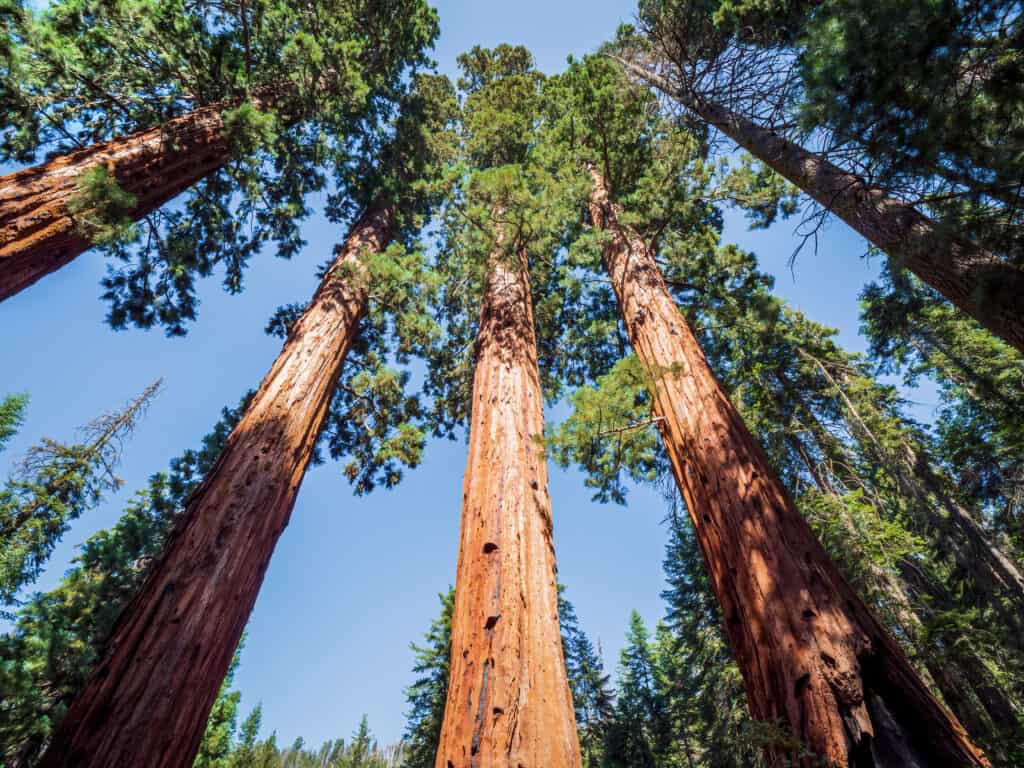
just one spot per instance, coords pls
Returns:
(509, 703)
(812, 655)
(148, 699)
(979, 283)
(38, 234)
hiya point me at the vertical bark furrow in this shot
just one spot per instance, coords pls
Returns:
(147, 702)
(38, 234)
(811, 653)
(509, 704)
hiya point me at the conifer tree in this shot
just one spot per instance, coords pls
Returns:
(508, 699)
(59, 634)
(979, 425)
(426, 696)
(172, 645)
(713, 74)
(247, 97)
(12, 415)
(592, 696)
(54, 484)
(838, 679)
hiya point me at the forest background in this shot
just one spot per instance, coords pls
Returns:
(355, 579)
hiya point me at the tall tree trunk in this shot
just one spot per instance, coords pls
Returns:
(148, 699)
(981, 284)
(39, 235)
(509, 703)
(812, 654)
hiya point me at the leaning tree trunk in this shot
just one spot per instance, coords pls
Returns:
(981, 284)
(813, 656)
(38, 232)
(148, 699)
(509, 703)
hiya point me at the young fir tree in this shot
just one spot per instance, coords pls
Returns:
(742, 89)
(839, 678)
(54, 484)
(151, 692)
(243, 104)
(12, 416)
(592, 695)
(508, 699)
(47, 656)
(426, 696)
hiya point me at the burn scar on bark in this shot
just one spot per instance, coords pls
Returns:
(478, 722)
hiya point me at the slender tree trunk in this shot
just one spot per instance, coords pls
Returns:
(509, 703)
(39, 235)
(981, 284)
(148, 699)
(812, 654)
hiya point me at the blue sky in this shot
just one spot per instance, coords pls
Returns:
(354, 580)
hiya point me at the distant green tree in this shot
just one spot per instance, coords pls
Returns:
(637, 724)
(12, 415)
(58, 635)
(427, 695)
(53, 486)
(216, 747)
(592, 694)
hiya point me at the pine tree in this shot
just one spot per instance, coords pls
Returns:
(508, 700)
(48, 655)
(426, 696)
(592, 695)
(54, 485)
(979, 423)
(248, 98)
(216, 746)
(12, 416)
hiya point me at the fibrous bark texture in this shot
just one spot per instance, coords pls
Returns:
(813, 656)
(509, 703)
(147, 701)
(39, 234)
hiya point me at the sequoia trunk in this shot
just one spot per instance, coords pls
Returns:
(812, 654)
(981, 284)
(509, 703)
(39, 235)
(148, 699)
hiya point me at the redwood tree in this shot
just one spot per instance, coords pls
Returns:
(242, 97)
(508, 702)
(812, 654)
(147, 701)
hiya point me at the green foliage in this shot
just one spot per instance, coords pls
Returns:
(58, 635)
(931, 92)
(592, 695)
(215, 748)
(102, 209)
(427, 695)
(610, 432)
(12, 416)
(298, 87)
(979, 430)
(54, 485)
